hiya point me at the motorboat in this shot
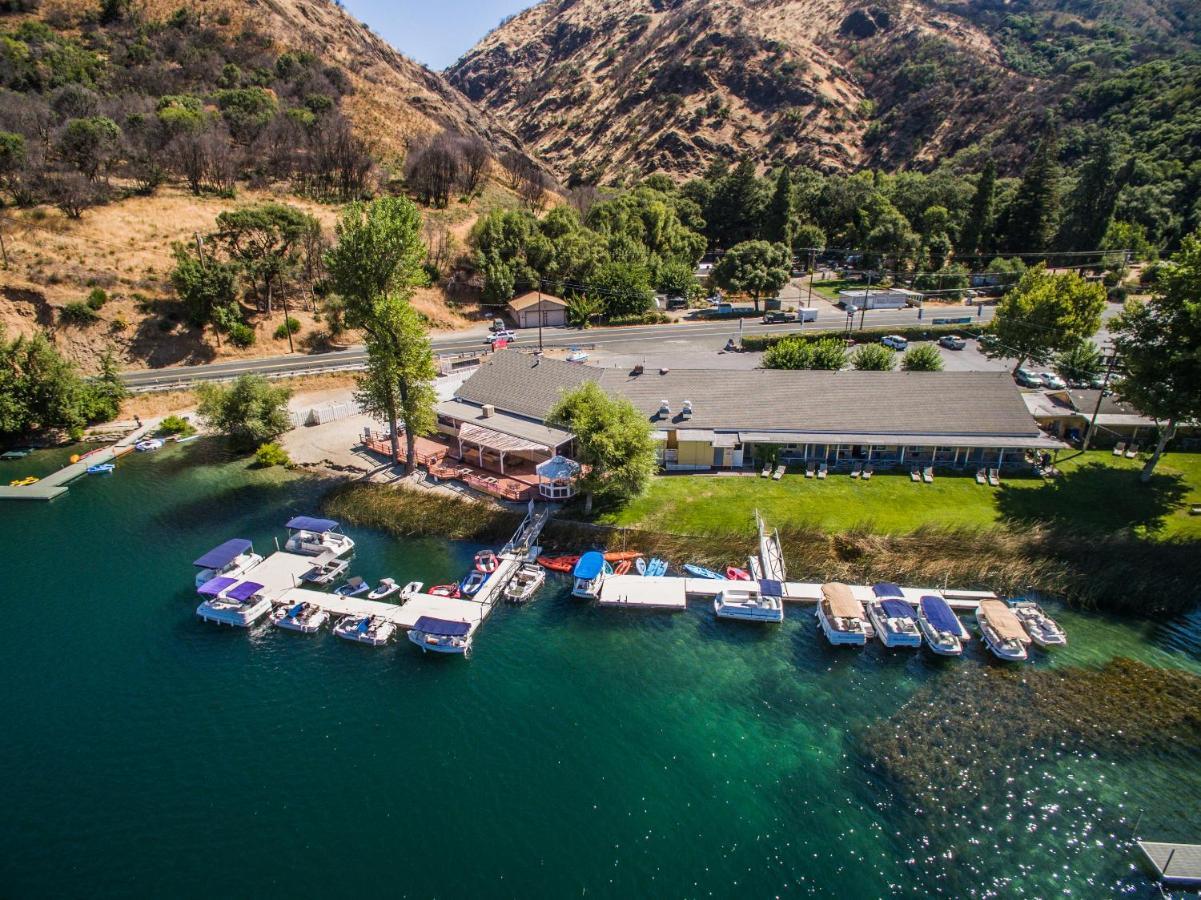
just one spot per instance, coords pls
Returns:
(352, 588)
(589, 574)
(327, 570)
(944, 632)
(733, 573)
(233, 558)
(841, 616)
(751, 604)
(701, 572)
(446, 590)
(407, 592)
(1043, 630)
(558, 563)
(1002, 630)
(471, 585)
(304, 617)
(102, 469)
(386, 588)
(373, 630)
(149, 445)
(656, 568)
(317, 537)
(525, 583)
(892, 617)
(231, 601)
(436, 635)
(486, 562)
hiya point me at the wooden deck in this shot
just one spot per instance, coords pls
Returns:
(441, 458)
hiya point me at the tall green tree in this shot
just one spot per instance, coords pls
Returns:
(1033, 213)
(202, 286)
(1045, 313)
(251, 411)
(1081, 363)
(778, 222)
(977, 234)
(40, 390)
(735, 211)
(757, 268)
(1091, 204)
(1159, 348)
(613, 440)
(90, 144)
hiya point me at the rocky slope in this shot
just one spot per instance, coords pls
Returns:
(609, 88)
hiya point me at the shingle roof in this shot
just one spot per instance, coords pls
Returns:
(531, 298)
(894, 403)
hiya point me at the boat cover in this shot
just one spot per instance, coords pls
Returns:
(842, 602)
(887, 589)
(441, 627)
(590, 565)
(222, 556)
(939, 614)
(1003, 621)
(244, 591)
(215, 586)
(308, 523)
(771, 589)
(897, 609)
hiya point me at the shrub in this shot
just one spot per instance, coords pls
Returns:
(97, 298)
(78, 314)
(241, 334)
(874, 358)
(286, 327)
(922, 358)
(119, 324)
(176, 425)
(829, 353)
(654, 317)
(252, 410)
(789, 354)
(272, 454)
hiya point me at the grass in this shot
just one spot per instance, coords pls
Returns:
(1097, 493)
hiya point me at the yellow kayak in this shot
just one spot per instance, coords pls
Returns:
(24, 482)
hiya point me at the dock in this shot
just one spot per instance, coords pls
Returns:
(55, 484)
(1175, 864)
(639, 592)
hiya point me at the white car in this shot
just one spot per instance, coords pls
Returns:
(895, 341)
(503, 335)
(1052, 381)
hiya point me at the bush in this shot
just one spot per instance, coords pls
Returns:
(647, 318)
(789, 354)
(97, 298)
(915, 333)
(272, 454)
(874, 358)
(78, 314)
(252, 410)
(922, 358)
(241, 334)
(176, 425)
(286, 327)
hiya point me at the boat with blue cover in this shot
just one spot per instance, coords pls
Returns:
(892, 617)
(589, 574)
(233, 558)
(470, 586)
(102, 469)
(311, 536)
(436, 635)
(231, 601)
(701, 572)
(944, 633)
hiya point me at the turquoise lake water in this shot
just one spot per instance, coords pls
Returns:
(580, 752)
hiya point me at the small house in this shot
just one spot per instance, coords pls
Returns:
(535, 308)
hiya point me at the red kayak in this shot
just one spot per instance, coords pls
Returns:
(486, 561)
(445, 590)
(622, 567)
(622, 555)
(558, 563)
(733, 573)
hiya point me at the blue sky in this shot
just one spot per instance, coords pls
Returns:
(435, 32)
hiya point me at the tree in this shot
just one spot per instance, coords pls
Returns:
(808, 238)
(922, 358)
(874, 358)
(1033, 213)
(1045, 313)
(1159, 345)
(755, 268)
(829, 353)
(251, 411)
(777, 225)
(976, 235)
(789, 353)
(624, 288)
(39, 389)
(735, 211)
(433, 167)
(90, 143)
(202, 286)
(1082, 363)
(613, 441)
(1091, 205)
(582, 310)
(677, 279)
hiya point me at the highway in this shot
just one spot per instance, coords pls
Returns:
(704, 335)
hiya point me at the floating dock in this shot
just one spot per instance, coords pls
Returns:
(1175, 864)
(639, 592)
(55, 484)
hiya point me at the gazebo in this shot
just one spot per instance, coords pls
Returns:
(556, 478)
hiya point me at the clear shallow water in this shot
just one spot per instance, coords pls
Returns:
(580, 752)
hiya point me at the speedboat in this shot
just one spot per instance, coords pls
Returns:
(1002, 630)
(102, 469)
(944, 632)
(386, 588)
(751, 604)
(471, 585)
(304, 617)
(892, 618)
(558, 563)
(733, 573)
(149, 445)
(373, 630)
(527, 580)
(352, 588)
(441, 635)
(486, 561)
(231, 601)
(446, 590)
(326, 571)
(233, 558)
(1043, 630)
(841, 615)
(589, 574)
(702, 572)
(317, 537)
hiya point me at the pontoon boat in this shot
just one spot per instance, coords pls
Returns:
(373, 630)
(589, 574)
(1002, 631)
(751, 604)
(527, 580)
(316, 537)
(892, 618)
(944, 632)
(304, 617)
(441, 635)
(1043, 630)
(233, 558)
(232, 602)
(841, 615)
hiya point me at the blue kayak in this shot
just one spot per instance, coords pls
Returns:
(101, 469)
(702, 572)
(656, 568)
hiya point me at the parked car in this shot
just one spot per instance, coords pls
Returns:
(778, 315)
(1026, 378)
(577, 355)
(677, 303)
(895, 341)
(497, 325)
(1052, 381)
(952, 342)
(503, 335)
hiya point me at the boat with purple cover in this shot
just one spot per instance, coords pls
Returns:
(233, 558)
(317, 537)
(944, 633)
(231, 601)
(441, 635)
(892, 617)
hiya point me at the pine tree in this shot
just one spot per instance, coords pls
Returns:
(1090, 208)
(777, 225)
(977, 234)
(1032, 215)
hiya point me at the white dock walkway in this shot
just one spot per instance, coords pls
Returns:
(637, 592)
(1176, 864)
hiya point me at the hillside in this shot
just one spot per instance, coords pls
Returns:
(604, 89)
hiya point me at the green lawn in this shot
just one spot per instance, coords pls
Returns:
(831, 286)
(1097, 491)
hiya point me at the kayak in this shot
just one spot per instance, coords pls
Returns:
(733, 573)
(640, 565)
(622, 567)
(656, 568)
(558, 563)
(701, 572)
(622, 555)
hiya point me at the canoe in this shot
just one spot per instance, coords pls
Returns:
(702, 572)
(621, 555)
(733, 573)
(558, 563)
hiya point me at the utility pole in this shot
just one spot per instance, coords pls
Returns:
(812, 275)
(1092, 424)
(866, 297)
(540, 316)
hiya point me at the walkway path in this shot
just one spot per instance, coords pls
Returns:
(55, 485)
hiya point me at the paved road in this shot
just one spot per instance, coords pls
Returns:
(701, 336)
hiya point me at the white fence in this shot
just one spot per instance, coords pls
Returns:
(322, 415)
